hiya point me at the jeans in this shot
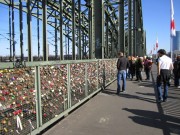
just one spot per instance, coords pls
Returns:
(176, 80)
(163, 78)
(121, 75)
(147, 71)
(139, 75)
(162, 96)
(127, 73)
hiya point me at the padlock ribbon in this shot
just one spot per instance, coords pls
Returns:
(19, 123)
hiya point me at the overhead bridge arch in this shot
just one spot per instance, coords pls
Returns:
(78, 29)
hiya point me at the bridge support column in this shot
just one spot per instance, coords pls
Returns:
(121, 44)
(44, 21)
(61, 30)
(97, 29)
(29, 23)
(130, 30)
(73, 31)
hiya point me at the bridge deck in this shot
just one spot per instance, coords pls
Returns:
(133, 113)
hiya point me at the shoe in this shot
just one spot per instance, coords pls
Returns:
(124, 91)
(164, 100)
(160, 100)
(178, 87)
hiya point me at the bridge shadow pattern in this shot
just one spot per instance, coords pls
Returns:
(168, 116)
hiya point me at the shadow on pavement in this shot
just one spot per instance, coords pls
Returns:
(170, 110)
(146, 94)
(109, 92)
(167, 123)
(144, 83)
(168, 116)
(126, 95)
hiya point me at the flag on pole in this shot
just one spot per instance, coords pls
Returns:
(150, 52)
(157, 44)
(173, 31)
(153, 49)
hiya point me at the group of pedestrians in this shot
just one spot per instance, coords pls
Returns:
(133, 66)
(130, 68)
(136, 66)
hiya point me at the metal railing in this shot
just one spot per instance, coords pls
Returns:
(35, 95)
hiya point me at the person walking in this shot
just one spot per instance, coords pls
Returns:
(132, 66)
(139, 68)
(147, 67)
(176, 72)
(122, 65)
(164, 67)
(128, 73)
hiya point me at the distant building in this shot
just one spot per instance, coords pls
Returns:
(176, 41)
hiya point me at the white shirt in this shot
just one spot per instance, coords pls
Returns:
(165, 62)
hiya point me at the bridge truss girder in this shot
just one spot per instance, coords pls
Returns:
(134, 32)
(76, 31)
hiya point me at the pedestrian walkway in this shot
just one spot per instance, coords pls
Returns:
(135, 112)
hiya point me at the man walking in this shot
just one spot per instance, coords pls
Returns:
(122, 65)
(164, 67)
(176, 72)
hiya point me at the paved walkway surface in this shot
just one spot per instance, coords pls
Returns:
(135, 112)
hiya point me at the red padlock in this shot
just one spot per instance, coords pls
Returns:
(2, 98)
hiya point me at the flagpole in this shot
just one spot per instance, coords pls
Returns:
(173, 31)
(157, 45)
(171, 45)
(153, 51)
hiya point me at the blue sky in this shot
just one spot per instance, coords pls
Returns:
(156, 19)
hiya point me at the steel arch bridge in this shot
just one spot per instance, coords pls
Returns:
(75, 29)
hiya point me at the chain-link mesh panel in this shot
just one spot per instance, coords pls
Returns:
(77, 72)
(113, 69)
(18, 94)
(53, 91)
(92, 81)
(108, 67)
(17, 101)
(107, 71)
(101, 73)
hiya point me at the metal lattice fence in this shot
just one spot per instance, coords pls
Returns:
(37, 94)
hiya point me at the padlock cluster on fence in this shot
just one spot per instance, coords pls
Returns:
(34, 95)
